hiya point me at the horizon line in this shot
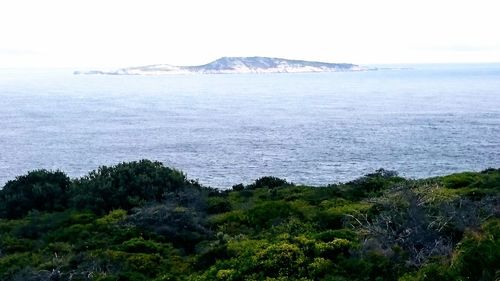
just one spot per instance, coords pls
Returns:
(360, 64)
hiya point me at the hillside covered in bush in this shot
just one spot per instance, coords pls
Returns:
(143, 221)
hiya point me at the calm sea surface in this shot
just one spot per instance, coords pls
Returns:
(225, 129)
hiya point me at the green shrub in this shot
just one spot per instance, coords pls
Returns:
(333, 248)
(218, 205)
(330, 235)
(333, 218)
(113, 217)
(271, 213)
(138, 265)
(40, 190)
(177, 224)
(38, 224)
(126, 185)
(236, 216)
(10, 244)
(269, 182)
(460, 180)
(371, 184)
(238, 187)
(12, 264)
(281, 259)
(477, 256)
(319, 267)
(211, 255)
(139, 245)
(490, 179)
(431, 272)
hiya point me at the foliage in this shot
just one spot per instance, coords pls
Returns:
(217, 205)
(269, 182)
(39, 190)
(460, 180)
(143, 221)
(371, 184)
(475, 258)
(477, 255)
(126, 185)
(415, 225)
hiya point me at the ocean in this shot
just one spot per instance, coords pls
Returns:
(310, 128)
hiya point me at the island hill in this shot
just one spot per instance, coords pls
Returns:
(234, 65)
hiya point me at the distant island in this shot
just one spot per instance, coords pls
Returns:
(235, 65)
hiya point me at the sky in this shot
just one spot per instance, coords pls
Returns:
(109, 33)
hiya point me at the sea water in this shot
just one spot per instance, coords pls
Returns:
(310, 128)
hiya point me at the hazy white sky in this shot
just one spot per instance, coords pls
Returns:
(109, 33)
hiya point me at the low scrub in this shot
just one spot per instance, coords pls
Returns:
(143, 221)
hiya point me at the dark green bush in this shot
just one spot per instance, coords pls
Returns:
(489, 179)
(271, 214)
(10, 244)
(371, 184)
(269, 182)
(460, 180)
(40, 190)
(238, 187)
(183, 226)
(211, 255)
(140, 245)
(126, 185)
(218, 205)
(477, 256)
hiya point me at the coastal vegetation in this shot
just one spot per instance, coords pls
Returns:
(144, 221)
